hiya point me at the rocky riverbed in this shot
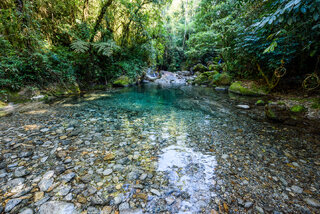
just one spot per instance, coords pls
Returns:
(154, 150)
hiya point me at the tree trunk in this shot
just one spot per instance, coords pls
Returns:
(99, 19)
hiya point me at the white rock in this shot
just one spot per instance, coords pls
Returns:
(57, 207)
(243, 106)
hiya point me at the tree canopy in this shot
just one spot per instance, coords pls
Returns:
(94, 41)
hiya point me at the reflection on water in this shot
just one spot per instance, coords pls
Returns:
(191, 172)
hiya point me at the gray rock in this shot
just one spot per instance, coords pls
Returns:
(57, 207)
(248, 204)
(221, 88)
(107, 172)
(133, 176)
(1, 209)
(15, 182)
(93, 210)
(156, 192)
(170, 200)
(27, 211)
(45, 184)
(86, 178)
(124, 206)
(296, 189)
(312, 202)
(44, 130)
(42, 201)
(25, 154)
(68, 177)
(21, 172)
(260, 210)
(11, 204)
(96, 200)
(64, 190)
(117, 200)
(143, 176)
(68, 197)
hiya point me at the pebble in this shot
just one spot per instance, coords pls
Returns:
(27, 211)
(68, 177)
(248, 204)
(12, 203)
(38, 196)
(296, 189)
(107, 172)
(45, 184)
(57, 207)
(21, 172)
(243, 106)
(117, 200)
(156, 192)
(260, 210)
(106, 210)
(312, 202)
(170, 200)
(124, 206)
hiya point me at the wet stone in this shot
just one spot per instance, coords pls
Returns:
(68, 177)
(86, 178)
(248, 204)
(312, 202)
(57, 207)
(21, 172)
(297, 189)
(11, 204)
(45, 184)
(26, 211)
(93, 210)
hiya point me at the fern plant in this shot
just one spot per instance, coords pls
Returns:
(103, 48)
(106, 48)
(80, 46)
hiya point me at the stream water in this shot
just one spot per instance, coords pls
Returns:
(153, 149)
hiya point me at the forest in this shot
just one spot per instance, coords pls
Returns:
(93, 42)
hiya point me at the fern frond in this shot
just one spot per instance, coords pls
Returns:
(80, 46)
(106, 48)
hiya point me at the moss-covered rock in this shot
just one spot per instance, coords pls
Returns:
(204, 78)
(248, 89)
(60, 90)
(122, 81)
(260, 103)
(297, 109)
(222, 79)
(200, 68)
(281, 112)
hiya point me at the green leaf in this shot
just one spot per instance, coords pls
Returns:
(315, 16)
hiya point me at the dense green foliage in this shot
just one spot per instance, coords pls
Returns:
(97, 41)
(245, 33)
(90, 41)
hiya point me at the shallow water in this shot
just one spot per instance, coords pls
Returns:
(177, 150)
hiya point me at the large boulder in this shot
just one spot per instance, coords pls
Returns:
(122, 81)
(199, 68)
(248, 88)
